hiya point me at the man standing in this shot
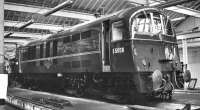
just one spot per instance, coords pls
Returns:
(186, 76)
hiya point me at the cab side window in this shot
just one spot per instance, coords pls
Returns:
(117, 31)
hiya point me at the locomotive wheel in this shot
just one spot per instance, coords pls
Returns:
(80, 91)
(137, 98)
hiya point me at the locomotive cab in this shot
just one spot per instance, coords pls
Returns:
(147, 48)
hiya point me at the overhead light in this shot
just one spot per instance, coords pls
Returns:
(138, 2)
(19, 41)
(179, 9)
(8, 43)
(154, 3)
(23, 35)
(172, 3)
(41, 26)
(26, 24)
(42, 10)
(185, 10)
(178, 19)
(188, 35)
(60, 6)
(8, 34)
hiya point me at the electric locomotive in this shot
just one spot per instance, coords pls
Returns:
(123, 53)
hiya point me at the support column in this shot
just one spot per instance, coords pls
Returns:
(185, 59)
(1, 36)
(185, 51)
(3, 76)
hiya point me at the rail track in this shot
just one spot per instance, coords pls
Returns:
(35, 100)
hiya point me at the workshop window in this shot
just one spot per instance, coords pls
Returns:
(76, 64)
(47, 49)
(76, 37)
(55, 42)
(41, 50)
(85, 35)
(67, 65)
(67, 39)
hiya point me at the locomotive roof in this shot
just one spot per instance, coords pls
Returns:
(79, 27)
(113, 16)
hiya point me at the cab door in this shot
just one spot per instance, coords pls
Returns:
(105, 46)
(121, 52)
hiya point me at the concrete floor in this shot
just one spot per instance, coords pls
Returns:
(180, 98)
(7, 107)
(187, 97)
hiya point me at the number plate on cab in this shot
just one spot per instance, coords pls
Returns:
(118, 50)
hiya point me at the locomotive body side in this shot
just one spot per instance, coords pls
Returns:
(77, 52)
(135, 47)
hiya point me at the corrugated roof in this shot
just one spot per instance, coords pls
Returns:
(81, 6)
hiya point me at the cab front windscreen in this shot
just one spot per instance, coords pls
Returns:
(148, 22)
